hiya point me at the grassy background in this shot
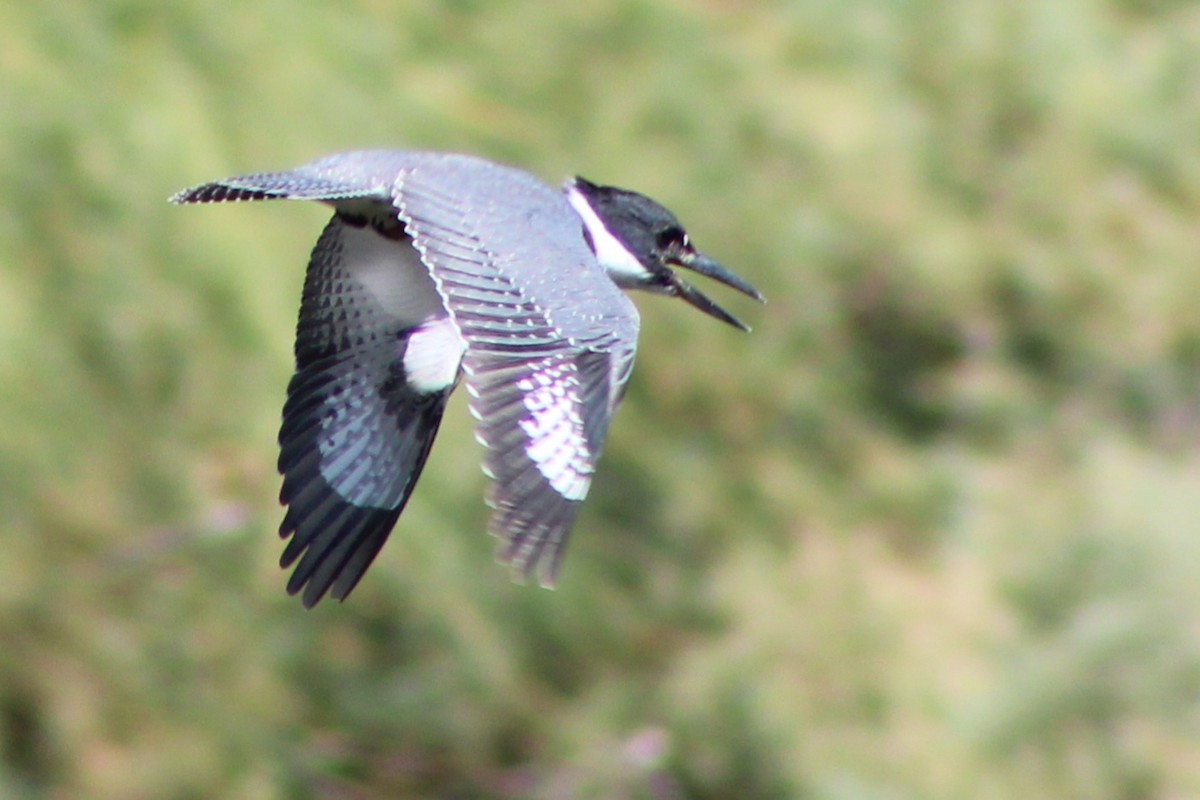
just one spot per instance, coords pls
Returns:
(929, 532)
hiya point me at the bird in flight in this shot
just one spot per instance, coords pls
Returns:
(440, 267)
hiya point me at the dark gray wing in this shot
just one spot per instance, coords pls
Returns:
(376, 361)
(550, 340)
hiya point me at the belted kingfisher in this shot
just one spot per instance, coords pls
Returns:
(438, 266)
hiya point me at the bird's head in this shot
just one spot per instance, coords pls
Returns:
(637, 241)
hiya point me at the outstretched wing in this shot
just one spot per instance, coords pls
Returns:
(550, 340)
(376, 360)
(543, 422)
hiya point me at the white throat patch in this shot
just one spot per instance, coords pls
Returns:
(620, 264)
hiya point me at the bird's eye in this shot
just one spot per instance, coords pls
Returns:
(672, 237)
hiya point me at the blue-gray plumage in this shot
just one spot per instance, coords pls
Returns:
(435, 267)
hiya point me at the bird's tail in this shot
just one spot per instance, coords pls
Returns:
(269, 186)
(363, 175)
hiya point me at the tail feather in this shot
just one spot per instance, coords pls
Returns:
(294, 185)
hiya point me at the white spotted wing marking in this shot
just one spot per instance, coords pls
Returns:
(554, 427)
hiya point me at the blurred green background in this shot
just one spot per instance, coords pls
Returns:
(930, 531)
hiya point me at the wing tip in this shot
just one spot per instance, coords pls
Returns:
(523, 574)
(533, 553)
(334, 555)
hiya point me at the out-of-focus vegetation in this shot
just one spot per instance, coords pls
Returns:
(931, 531)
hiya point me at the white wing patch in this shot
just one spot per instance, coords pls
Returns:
(555, 428)
(433, 355)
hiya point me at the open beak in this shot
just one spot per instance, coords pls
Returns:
(703, 265)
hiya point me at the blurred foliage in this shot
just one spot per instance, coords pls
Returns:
(929, 532)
